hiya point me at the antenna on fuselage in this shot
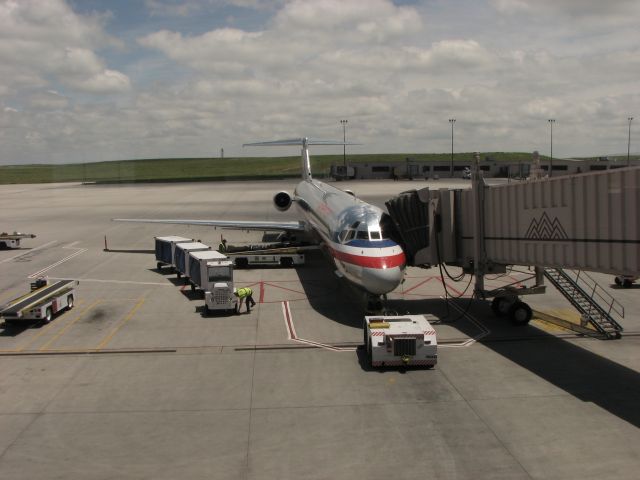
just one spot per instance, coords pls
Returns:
(305, 142)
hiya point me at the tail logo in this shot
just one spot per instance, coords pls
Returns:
(546, 229)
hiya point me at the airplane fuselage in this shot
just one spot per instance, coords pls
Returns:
(353, 234)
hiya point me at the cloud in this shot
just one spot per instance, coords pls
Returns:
(41, 41)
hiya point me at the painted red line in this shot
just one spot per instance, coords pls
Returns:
(419, 285)
(287, 315)
(284, 288)
(261, 300)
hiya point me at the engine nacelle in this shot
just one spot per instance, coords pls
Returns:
(282, 201)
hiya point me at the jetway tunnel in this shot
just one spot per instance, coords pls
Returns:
(582, 222)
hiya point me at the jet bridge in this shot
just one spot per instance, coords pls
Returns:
(580, 222)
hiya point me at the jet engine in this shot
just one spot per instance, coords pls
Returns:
(282, 201)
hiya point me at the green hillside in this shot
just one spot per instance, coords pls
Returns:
(195, 169)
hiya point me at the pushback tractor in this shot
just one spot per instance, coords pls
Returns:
(397, 341)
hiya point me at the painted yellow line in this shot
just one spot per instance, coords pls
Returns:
(108, 338)
(69, 325)
(44, 329)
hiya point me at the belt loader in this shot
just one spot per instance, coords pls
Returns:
(395, 341)
(12, 240)
(42, 303)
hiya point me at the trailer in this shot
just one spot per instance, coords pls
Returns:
(394, 341)
(166, 248)
(214, 276)
(12, 240)
(181, 253)
(42, 303)
(277, 254)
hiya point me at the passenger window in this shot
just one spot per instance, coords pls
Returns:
(375, 235)
(362, 235)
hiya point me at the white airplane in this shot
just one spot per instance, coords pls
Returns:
(356, 235)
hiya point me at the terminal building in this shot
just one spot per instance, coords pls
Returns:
(415, 169)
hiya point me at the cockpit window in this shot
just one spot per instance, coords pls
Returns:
(362, 235)
(350, 235)
(374, 235)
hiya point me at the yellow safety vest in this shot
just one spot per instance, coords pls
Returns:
(244, 292)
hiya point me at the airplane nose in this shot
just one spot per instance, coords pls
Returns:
(381, 280)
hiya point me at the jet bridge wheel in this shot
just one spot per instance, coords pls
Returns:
(500, 306)
(520, 313)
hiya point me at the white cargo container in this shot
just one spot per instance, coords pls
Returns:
(165, 249)
(198, 265)
(181, 255)
(400, 340)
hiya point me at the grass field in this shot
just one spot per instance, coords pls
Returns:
(194, 169)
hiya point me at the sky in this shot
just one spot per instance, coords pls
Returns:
(97, 80)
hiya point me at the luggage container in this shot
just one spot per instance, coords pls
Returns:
(181, 252)
(197, 269)
(165, 249)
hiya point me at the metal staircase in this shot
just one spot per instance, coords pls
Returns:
(595, 304)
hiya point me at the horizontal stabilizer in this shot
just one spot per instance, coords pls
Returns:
(297, 141)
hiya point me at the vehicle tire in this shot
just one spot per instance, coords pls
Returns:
(286, 262)
(242, 262)
(500, 306)
(178, 274)
(193, 287)
(159, 266)
(618, 281)
(627, 283)
(520, 313)
(69, 302)
(206, 310)
(48, 315)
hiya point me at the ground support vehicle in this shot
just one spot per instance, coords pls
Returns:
(393, 341)
(212, 273)
(181, 255)
(42, 303)
(267, 255)
(625, 280)
(165, 249)
(12, 240)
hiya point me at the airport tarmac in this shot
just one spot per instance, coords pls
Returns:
(135, 383)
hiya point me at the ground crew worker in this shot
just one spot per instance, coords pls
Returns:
(222, 248)
(245, 294)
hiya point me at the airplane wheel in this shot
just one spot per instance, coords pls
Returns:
(520, 313)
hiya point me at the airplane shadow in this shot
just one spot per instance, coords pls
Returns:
(329, 295)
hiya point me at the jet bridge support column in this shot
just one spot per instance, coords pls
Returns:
(478, 230)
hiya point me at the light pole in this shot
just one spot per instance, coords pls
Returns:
(451, 121)
(551, 122)
(344, 142)
(629, 142)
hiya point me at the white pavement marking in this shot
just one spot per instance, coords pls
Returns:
(29, 251)
(46, 269)
(291, 333)
(484, 331)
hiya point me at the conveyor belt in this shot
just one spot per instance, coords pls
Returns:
(37, 296)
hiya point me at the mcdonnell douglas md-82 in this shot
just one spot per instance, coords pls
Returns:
(356, 235)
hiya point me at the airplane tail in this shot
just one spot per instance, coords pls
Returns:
(305, 142)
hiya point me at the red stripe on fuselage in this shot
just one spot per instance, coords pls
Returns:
(390, 261)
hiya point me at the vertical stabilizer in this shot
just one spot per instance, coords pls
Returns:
(305, 142)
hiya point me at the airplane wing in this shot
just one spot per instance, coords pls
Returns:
(227, 224)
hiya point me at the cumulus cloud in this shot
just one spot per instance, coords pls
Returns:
(44, 40)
